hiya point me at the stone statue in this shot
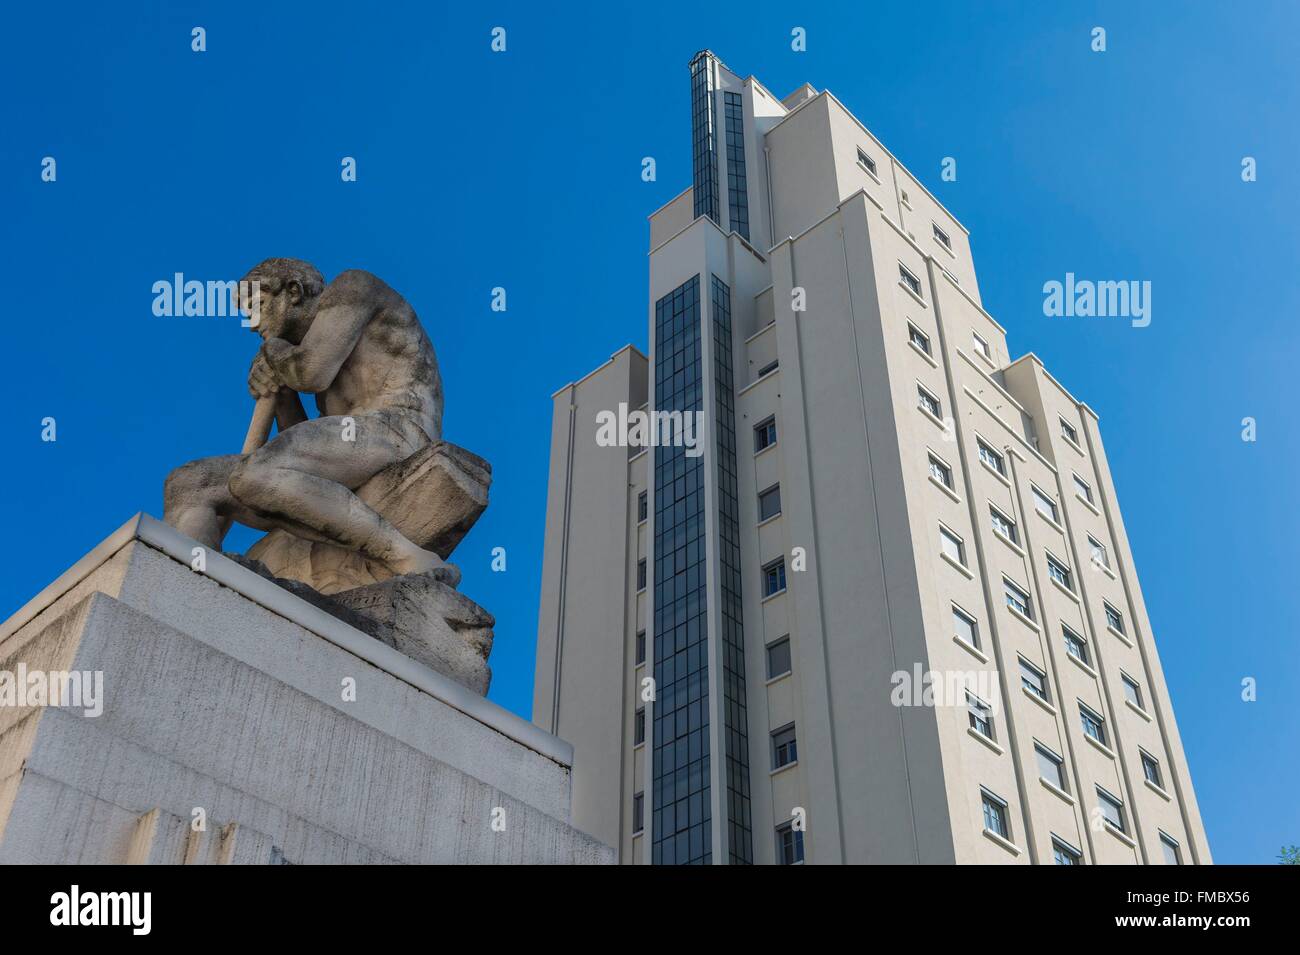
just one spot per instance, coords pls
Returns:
(364, 503)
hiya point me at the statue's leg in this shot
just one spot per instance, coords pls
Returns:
(303, 482)
(198, 503)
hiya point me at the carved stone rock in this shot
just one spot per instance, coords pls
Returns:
(433, 497)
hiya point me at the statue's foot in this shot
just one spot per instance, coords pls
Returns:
(426, 562)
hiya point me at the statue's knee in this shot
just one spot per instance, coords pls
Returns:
(187, 483)
(251, 482)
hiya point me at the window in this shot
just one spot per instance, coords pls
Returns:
(1112, 809)
(952, 545)
(778, 658)
(980, 716)
(992, 459)
(774, 577)
(995, 815)
(1033, 679)
(918, 338)
(638, 728)
(1068, 432)
(908, 279)
(1114, 619)
(928, 402)
(1132, 692)
(867, 161)
(1002, 524)
(1050, 766)
(789, 844)
(1017, 599)
(981, 346)
(640, 574)
(769, 503)
(1098, 551)
(769, 368)
(1151, 769)
(1093, 724)
(964, 628)
(941, 237)
(638, 813)
(941, 472)
(642, 507)
(1059, 573)
(1075, 645)
(1045, 505)
(1065, 854)
(785, 749)
(640, 647)
(765, 434)
(1082, 488)
(1169, 846)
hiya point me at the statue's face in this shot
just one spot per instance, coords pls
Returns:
(286, 314)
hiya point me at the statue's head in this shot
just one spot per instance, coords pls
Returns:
(287, 292)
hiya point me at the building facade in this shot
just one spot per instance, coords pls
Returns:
(884, 609)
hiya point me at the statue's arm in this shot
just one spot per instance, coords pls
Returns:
(288, 409)
(345, 308)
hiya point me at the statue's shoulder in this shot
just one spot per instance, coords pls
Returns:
(357, 286)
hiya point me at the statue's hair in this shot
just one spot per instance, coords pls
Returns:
(274, 274)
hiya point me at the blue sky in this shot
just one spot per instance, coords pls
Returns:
(522, 170)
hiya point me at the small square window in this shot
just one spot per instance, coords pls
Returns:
(1002, 525)
(640, 574)
(1075, 645)
(1132, 692)
(979, 715)
(1082, 488)
(908, 279)
(867, 161)
(981, 346)
(640, 647)
(1112, 809)
(765, 434)
(785, 748)
(1065, 854)
(774, 577)
(941, 472)
(1060, 573)
(638, 813)
(1093, 724)
(928, 402)
(1098, 551)
(1017, 599)
(941, 237)
(1169, 847)
(789, 844)
(918, 338)
(1045, 505)
(1151, 769)
(638, 728)
(964, 628)
(1050, 766)
(992, 458)
(952, 545)
(1114, 619)
(995, 814)
(1033, 679)
(778, 658)
(1068, 432)
(642, 507)
(769, 503)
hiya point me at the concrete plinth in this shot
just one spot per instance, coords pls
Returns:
(292, 736)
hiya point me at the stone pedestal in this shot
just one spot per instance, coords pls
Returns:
(291, 735)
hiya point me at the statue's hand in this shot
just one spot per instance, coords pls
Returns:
(262, 381)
